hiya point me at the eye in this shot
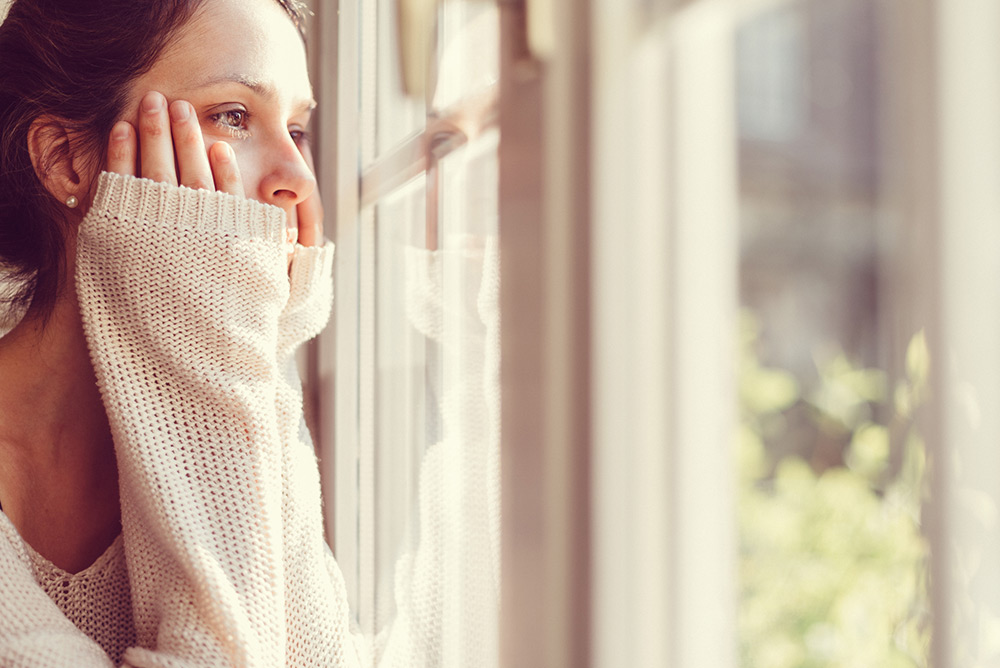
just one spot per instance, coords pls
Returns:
(233, 120)
(299, 136)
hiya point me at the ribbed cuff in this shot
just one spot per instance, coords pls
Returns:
(310, 300)
(311, 265)
(132, 199)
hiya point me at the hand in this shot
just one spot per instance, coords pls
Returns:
(170, 134)
(166, 134)
(310, 211)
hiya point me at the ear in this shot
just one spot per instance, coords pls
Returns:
(57, 159)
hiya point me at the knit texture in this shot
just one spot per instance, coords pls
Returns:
(192, 322)
(96, 600)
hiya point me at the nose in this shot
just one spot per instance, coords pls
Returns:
(288, 180)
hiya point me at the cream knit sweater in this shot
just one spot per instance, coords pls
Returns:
(192, 323)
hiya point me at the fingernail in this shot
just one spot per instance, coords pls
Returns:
(120, 131)
(226, 154)
(152, 102)
(179, 111)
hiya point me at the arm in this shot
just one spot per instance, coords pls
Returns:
(317, 614)
(180, 292)
(242, 381)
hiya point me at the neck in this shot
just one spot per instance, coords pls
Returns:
(49, 398)
(57, 465)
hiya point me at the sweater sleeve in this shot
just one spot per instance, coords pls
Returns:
(310, 299)
(318, 620)
(181, 292)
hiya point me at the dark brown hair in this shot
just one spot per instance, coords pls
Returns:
(73, 60)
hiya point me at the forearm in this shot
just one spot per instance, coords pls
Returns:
(317, 614)
(180, 293)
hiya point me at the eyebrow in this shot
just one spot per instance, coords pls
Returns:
(259, 87)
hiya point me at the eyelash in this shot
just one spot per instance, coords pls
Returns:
(239, 130)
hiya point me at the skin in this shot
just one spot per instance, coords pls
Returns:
(215, 112)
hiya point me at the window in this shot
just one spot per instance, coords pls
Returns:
(416, 352)
(749, 329)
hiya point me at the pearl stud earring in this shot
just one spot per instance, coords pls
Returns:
(72, 201)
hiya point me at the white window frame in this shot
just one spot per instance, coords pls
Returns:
(943, 132)
(618, 376)
(349, 167)
(567, 600)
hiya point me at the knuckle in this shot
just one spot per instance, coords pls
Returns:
(189, 136)
(201, 184)
(230, 174)
(153, 128)
(222, 174)
(224, 182)
(153, 124)
(119, 153)
(159, 175)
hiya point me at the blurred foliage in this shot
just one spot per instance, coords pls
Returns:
(833, 565)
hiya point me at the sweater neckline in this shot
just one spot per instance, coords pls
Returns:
(45, 567)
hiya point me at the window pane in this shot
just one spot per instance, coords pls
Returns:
(434, 520)
(403, 430)
(469, 53)
(436, 452)
(399, 116)
(833, 558)
(469, 193)
(469, 476)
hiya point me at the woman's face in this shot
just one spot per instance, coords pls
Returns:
(242, 65)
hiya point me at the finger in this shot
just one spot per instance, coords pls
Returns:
(189, 147)
(310, 210)
(122, 151)
(155, 146)
(225, 170)
(291, 235)
(310, 219)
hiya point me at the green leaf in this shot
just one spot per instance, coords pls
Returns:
(768, 390)
(869, 451)
(918, 360)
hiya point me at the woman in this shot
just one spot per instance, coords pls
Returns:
(150, 390)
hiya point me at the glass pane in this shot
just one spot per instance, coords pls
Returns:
(436, 518)
(468, 51)
(435, 474)
(399, 116)
(403, 422)
(469, 473)
(833, 558)
(468, 189)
